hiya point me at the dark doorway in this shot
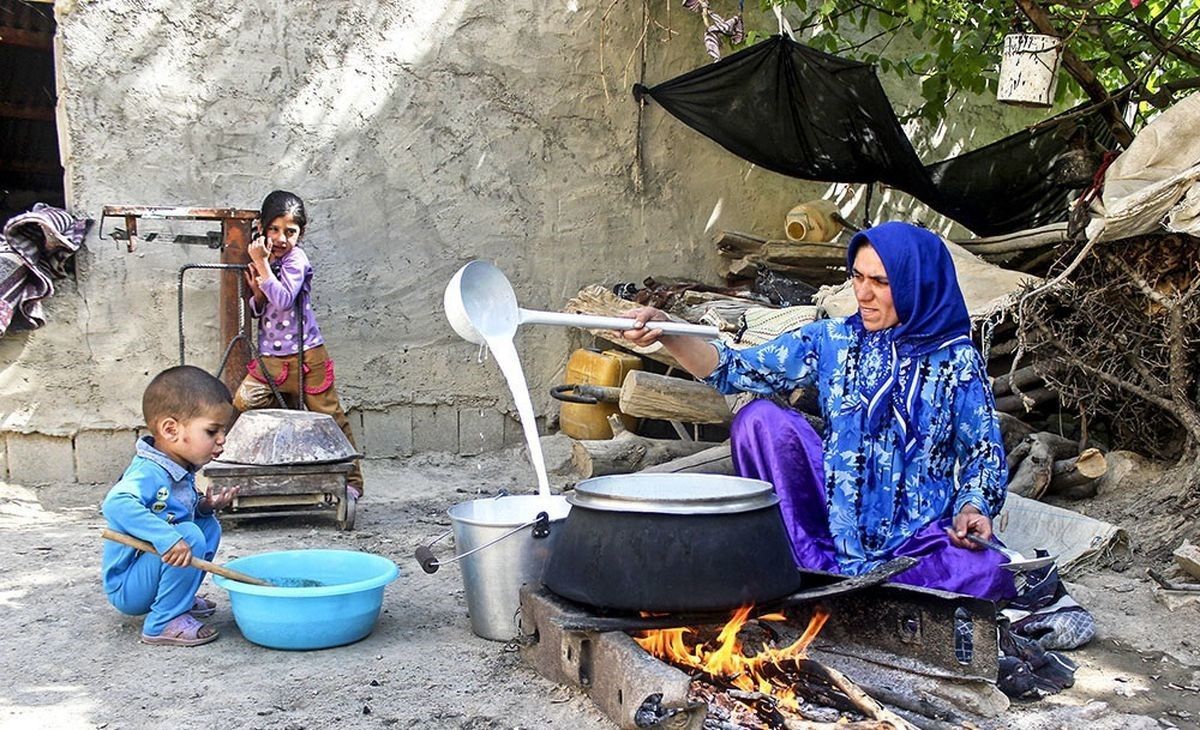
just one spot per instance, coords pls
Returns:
(30, 167)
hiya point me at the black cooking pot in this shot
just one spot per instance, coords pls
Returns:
(672, 542)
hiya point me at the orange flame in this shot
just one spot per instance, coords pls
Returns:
(727, 662)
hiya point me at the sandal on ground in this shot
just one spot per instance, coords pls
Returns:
(183, 630)
(202, 607)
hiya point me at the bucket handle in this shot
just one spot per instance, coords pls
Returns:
(585, 393)
(430, 564)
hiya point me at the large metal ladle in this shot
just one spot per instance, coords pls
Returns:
(481, 304)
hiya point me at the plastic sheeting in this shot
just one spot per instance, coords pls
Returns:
(1078, 541)
(807, 114)
(1154, 183)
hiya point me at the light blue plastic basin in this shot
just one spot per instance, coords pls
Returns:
(342, 610)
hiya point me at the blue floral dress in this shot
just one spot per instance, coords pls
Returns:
(935, 450)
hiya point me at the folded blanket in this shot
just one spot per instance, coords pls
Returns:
(35, 248)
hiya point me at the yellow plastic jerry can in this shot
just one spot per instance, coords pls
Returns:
(588, 366)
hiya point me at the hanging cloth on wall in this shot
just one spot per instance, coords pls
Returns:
(36, 248)
(810, 115)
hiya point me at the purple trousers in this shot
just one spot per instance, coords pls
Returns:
(779, 446)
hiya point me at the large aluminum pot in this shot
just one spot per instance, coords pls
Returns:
(672, 542)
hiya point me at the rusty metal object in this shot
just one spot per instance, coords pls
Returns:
(914, 629)
(290, 489)
(274, 436)
(236, 227)
(234, 319)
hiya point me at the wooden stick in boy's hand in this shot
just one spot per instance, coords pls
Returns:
(196, 562)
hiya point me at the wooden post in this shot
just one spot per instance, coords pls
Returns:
(234, 250)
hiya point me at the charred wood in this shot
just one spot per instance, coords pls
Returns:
(1013, 430)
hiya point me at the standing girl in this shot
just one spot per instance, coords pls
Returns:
(280, 281)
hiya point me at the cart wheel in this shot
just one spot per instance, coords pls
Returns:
(346, 512)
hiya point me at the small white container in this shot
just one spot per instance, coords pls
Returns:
(1029, 69)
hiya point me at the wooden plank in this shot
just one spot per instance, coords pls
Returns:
(26, 38)
(26, 111)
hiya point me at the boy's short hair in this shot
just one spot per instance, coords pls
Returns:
(183, 393)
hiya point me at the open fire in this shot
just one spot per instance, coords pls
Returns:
(725, 661)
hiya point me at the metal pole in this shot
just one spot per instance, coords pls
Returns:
(234, 318)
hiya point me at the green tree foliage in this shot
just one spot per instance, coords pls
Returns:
(1151, 48)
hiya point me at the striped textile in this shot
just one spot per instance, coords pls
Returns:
(35, 248)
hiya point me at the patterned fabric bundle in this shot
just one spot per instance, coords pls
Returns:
(35, 249)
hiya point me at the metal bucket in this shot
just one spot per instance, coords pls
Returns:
(493, 576)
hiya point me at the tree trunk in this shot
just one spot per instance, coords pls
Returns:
(626, 452)
(1075, 478)
(1040, 451)
(649, 395)
(1016, 403)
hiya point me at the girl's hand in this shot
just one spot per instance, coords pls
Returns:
(259, 250)
(643, 337)
(179, 556)
(251, 277)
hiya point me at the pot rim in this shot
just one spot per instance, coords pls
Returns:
(674, 494)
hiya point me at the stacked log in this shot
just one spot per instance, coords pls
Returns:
(816, 263)
(1046, 463)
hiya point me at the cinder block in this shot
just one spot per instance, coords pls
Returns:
(435, 428)
(388, 433)
(480, 430)
(35, 458)
(514, 434)
(101, 456)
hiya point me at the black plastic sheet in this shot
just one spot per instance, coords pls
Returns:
(810, 115)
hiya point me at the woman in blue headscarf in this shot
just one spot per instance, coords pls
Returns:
(911, 460)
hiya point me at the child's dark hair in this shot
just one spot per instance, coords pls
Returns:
(281, 202)
(183, 393)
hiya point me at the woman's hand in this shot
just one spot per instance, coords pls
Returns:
(970, 521)
(696, 355)
(179, 556)
(643, 336)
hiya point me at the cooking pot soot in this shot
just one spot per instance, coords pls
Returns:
(672, 542)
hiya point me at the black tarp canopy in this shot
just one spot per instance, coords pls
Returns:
(810, 115)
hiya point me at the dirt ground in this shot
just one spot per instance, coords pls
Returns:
(71, 661)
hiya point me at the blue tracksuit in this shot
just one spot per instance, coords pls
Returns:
(155, 501)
